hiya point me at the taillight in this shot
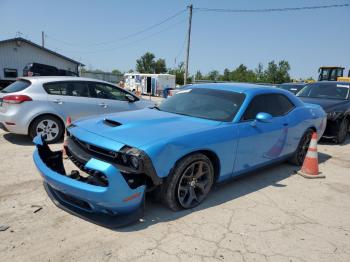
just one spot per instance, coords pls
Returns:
(30, 73)
(16, 99)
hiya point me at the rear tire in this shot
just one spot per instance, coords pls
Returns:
(299, 155)
(189, 183)
(343, 131)
(49, 126)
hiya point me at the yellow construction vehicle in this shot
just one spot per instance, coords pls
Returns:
(332, 73)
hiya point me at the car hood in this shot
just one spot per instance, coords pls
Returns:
(143, 127)
(327, 104)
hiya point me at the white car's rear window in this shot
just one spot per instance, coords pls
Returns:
(17, 86)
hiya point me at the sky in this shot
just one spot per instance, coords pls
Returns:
(104, 34)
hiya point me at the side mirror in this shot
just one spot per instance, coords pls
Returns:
(130, 98)
(264, 117)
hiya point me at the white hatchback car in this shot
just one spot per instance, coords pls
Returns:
(40, 105)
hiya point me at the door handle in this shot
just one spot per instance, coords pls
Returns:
(103, 105)
(58, 101)
(285, 124)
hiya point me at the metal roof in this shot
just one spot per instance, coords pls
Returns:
(40, 47)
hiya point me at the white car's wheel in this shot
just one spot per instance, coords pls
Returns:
(48, 126)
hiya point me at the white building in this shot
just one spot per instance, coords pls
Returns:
(151, 84)
(16, 53)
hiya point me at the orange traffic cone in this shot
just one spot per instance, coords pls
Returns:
(64, 153)
(310, 165)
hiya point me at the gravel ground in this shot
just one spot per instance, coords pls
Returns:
(272, 215)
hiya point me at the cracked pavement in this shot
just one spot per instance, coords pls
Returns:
(271, 215)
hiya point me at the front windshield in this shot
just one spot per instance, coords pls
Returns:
(326, 90)
(204, 103)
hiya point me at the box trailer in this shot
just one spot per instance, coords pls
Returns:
(149, 84)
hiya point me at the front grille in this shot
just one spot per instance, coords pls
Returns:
(93, 177)
(101, 152)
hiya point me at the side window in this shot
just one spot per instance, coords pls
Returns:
(103, 91)
(78, 89)
(58, 88)
(274, 104)
(67, 89)
(283, 105)
(257, 105)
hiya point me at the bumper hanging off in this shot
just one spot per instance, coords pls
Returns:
(113, 205)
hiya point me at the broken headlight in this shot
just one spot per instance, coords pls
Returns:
(131, 158)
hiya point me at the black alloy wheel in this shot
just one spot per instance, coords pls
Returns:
(189, 182)
(194, 184)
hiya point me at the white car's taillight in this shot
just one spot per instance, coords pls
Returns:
(16, 99)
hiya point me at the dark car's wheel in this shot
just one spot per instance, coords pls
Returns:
(189, 183)
(299, 155)
(50, 127)
(343, 131)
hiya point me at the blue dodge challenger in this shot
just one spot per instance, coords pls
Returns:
(204, 134)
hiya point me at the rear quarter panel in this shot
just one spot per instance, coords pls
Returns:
(304, 117)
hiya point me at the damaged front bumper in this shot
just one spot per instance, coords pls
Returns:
(111, 206)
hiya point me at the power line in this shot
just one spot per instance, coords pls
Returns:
(181, 50)
(60, 41)
(129, 35)
(265, 10)
(129, 43)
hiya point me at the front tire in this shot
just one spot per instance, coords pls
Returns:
(50, 127)
(299, 155)
(189, 183)
(343, 131)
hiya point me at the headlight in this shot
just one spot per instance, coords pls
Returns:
(134, 161)
(334, 115)
(131, 158)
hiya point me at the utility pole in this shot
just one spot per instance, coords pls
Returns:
(190, 7)
(42, 39)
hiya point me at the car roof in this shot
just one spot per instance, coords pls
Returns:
(331, 82)
(240, 88)
(293, 84)
(45, 79)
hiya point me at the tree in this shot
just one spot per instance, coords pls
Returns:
(160, 66)
(270, 74)
(116, 72)
(283, 72)
(146, 63)
(226, 75)
(259, 72)
(198, 75)
(242, 74)
(179, 73)
(277, 74)
(213, 75)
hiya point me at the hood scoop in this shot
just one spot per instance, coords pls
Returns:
(111, 123)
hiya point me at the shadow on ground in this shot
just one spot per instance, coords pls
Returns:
(21, 140)
(222, 193)
(329, 142)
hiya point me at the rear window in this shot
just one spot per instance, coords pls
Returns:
(16, 86)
